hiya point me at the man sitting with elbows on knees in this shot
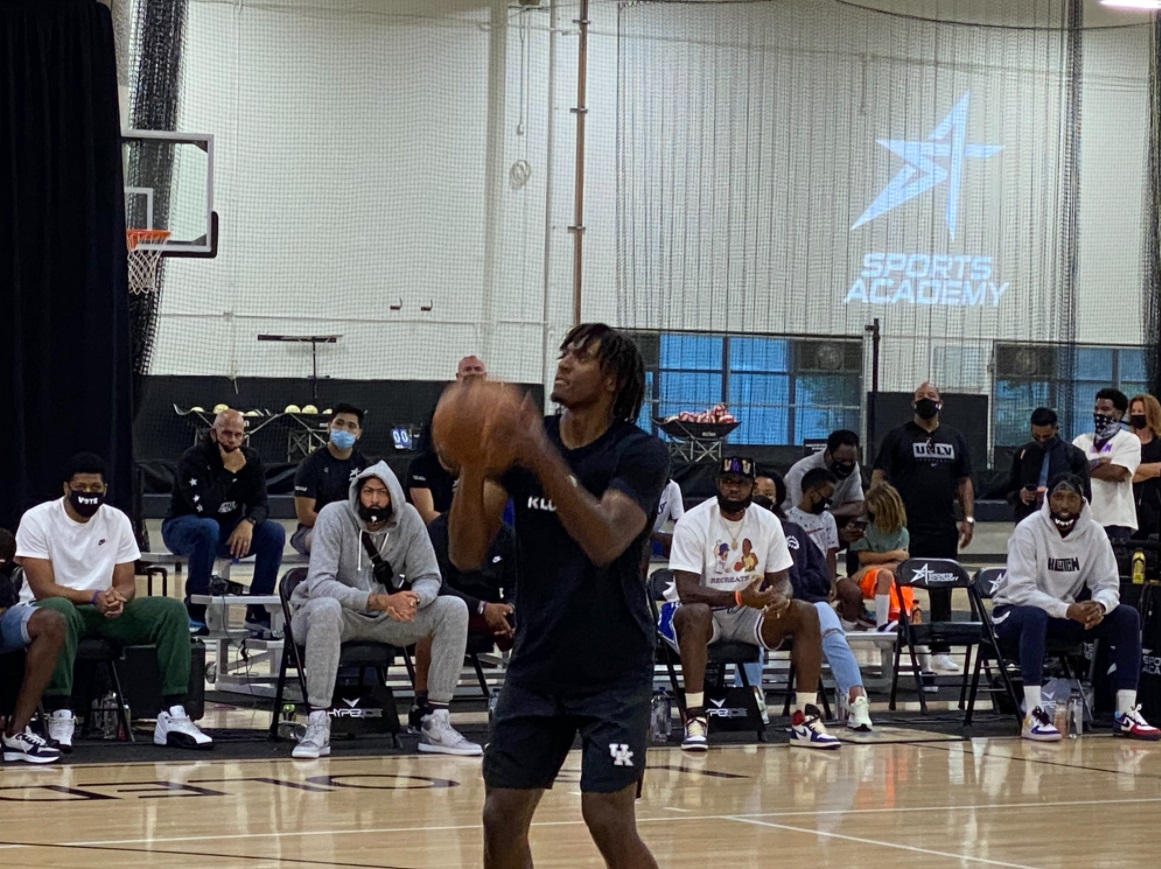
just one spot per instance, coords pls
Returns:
(78, 555)
(363, 548)
(1053, 556)
(730, 564)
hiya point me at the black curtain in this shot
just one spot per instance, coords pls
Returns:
(65, 382)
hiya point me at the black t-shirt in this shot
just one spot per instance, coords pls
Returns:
(581, 627)
(425, 472)
(495, 579)
(9, 594)
(1147, 493)
(323, 477)
(926, 468)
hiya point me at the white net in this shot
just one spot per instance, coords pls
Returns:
(145, 249)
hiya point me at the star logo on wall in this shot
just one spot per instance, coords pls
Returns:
(938, 159)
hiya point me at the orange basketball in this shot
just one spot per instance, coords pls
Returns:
(469, 421)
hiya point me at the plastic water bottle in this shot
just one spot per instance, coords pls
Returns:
(1138, 567)
(1075, 714)
(109, 705)
(660, 717)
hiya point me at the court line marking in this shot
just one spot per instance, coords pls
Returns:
(860, 840)
(754, 816)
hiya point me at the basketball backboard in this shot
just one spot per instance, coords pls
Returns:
(169, 184)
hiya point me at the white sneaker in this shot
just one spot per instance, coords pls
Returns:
(437, 735)
(696, 734)
(316, 742)
(1039, 727)
(808, 731)
(28, 747)
(174, 728)
(61, 725)
(944, 662)
(859, 715)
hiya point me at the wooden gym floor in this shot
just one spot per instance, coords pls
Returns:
(1090, 802)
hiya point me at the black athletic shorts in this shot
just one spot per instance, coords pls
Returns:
(532, 732)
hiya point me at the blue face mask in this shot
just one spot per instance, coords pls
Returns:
(343, 440)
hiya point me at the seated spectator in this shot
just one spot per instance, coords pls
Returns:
(219, 510)
(883, 546)
(730, 564)
(40, 634)
(429, 483)
(812, 581)
(325, 475)
(488, 592)
(1055, 557)
(78, 554)
(670, 509)
(810, 513)
(841, 458)
(374, 576)
(1040, 460)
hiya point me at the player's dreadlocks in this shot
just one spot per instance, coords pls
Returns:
(618, 356)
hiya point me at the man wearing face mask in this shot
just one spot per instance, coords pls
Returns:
(1055, 557)
(78, 555)
(1038, 461)
(218, 510)
(1113, 455)
(325, 475)
(374, 576)
(841, 458)
(928, 463)
(811, 514)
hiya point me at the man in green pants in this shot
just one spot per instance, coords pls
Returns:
(78, 554)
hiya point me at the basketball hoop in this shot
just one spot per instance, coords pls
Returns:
(143, 261)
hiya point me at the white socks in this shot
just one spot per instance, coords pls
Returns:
(695, 699)
(882, 609)
(1126, 701)
(802, 699)
(1032, 698)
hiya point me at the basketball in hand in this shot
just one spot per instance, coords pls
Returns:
(469, 424)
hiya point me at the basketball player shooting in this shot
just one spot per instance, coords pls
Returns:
(585, 485)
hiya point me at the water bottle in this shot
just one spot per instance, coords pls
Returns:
(109, 704)
(493, 699)
(660, 717)
(1138, 567)
(1060, 717)
(1075, 714)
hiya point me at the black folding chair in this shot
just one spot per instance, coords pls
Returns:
(929, 573)
(357, 653)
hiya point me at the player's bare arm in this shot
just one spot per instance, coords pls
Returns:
(476, 512)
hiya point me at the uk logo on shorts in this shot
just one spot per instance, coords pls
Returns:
(620, 753)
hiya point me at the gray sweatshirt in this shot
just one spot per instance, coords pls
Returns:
(341, 568)
(1047, 571)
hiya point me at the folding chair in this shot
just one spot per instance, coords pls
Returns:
(929, 573)
(357, 653)
(987, 582)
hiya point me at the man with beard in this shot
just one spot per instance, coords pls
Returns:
(1054, 556)
(1043, 458)
(1113, 457)
(928, 464)
(218, 510)
(731, 567)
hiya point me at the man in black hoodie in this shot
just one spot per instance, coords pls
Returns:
(218, 510)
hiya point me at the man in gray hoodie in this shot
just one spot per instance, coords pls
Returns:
(374, 576)
(1053, 556)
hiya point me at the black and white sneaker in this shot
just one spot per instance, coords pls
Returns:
(28, 747)
(174, 728)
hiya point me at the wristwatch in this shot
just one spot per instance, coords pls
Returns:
(970, 520)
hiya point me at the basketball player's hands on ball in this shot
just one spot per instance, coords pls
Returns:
(756, 597)
(495, 616)
(400, 607)
(514, 438)
(240, 539)
(1088, 612)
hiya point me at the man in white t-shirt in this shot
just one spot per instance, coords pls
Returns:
(811, 515)
(78, 555)
(841, 458)
(730, 565)
(1113, 456)
(669, 510)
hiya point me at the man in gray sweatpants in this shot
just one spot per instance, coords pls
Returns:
(374, 576)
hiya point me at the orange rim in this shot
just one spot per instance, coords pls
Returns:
(134, 237)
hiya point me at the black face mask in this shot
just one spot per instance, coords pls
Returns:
(1064, 522)
(728, 505)
(819, 507)
(1137, 420)
(86, 503)
(374, 515)
(1050, 443)
(926, 408)
(840, 470)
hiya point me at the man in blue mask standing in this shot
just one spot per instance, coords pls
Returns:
(1040, 460)
(1113, 456)
(325, 475)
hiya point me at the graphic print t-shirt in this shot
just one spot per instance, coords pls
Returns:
(729, 555)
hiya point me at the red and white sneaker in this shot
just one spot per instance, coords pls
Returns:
(808, 731)
(1133, 725)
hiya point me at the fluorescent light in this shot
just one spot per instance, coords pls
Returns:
(1132, 4)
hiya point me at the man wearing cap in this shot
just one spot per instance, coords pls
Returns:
(730, 565)
(1056, 556)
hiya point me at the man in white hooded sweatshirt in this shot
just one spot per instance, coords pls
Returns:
(1053, 555)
